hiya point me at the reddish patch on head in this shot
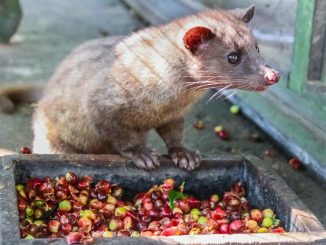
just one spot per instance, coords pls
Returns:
(196, 36)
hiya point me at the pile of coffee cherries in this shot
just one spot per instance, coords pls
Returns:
(82, 210)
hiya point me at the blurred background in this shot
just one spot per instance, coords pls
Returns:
(287, 121)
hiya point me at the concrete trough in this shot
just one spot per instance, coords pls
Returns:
(265, 190)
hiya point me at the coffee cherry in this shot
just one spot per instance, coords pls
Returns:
(262, 230)
(224, 229)
(38, 222)
(158, 204)
(32, 184)
(234, 109)
(223, 134)
(193, 202)
(82, 185)
(115, 224)
(218, 213)
(77, 205)
(202, 220)
(84, 224)
(257, 215)
(214, 198)
(103, 187)
(21, 191)
(120, 212)
(29, 211)
(127, 223)
(87, 214)
(74, 238)
(39, 203)
(61, 195)
(117, 191)
(267, 222)
(212, 224)
(33, 229)
(123, 233)
(154, 225)
(107, 234)
(252, 225)
(183, 205)
(194, 231)
(38, 214)
(25, 150)
(111, 199)
(71, 178)
(22, 205)
(83, 198)
(237, 226)
(195, 211)
(218, 128)
(199, 124)
(166, 212)
(171, 231)
(277, 230)
(167, 185)
(29, 237)
(95, 204)
(53, 226)
(66, 228)
(295, 163)
(268, 213)
(146, 233)
(65, 205)
(135, 234)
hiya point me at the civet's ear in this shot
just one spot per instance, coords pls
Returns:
(196, 36)
(245, 15)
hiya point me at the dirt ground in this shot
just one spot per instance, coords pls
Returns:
(47, 35)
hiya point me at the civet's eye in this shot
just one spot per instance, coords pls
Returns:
(257, 48)
(234, 58)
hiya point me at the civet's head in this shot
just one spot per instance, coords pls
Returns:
(226, 52)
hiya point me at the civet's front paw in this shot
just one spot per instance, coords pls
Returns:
(146, 158)
(185, 158)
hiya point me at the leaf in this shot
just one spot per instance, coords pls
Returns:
(173, 196)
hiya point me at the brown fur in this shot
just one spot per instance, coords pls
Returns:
(107, 94)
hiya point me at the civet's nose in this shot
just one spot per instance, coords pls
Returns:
(271, 77)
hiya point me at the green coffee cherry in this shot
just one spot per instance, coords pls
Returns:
(29, 211)
(202, 220)
(267, 222)
(29, 237)
(65, 205)
(234, 109)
